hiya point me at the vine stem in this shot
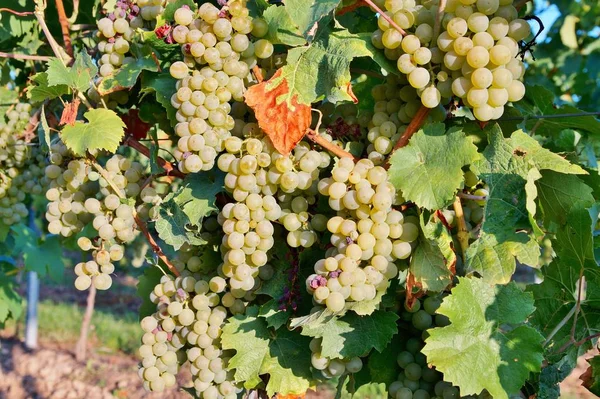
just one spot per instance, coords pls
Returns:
(383, 15)
(462, 234)
(561, 325)
(19, 13)
(356, 5)
(258, 74)
(142, 149)
(155, 247)
(25, 57)
(413, 127)
(39, 14)
(139, 222)
(438, 20)
(328, 145)
(64, 25)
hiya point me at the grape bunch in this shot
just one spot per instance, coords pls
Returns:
(416, 380)
(367, 236)
(80, 195)
(21, 166)
(473, 58)
(218, 55)
(115, 32)
(186, 327)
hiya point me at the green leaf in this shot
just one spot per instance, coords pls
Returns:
(42, 91)
(127, 75)
(505, 167)
(11, 303)
(550, 377)
(594, 383)
(77, 77)
(163, 87)
(539, 101)
(104, 131)
(145, 286)
(486, 346)
(284, 357)
(306, 13)
(41, 256)
(44, 135)
(273, 315)
(428, 266)
(321, 69)
(7, 98)
(383, 366)
(559, 194)
(282, 29)
(173, 225)
(428, 171)
(257, 8)
(353, 335)
(198, 194)
(568, 34)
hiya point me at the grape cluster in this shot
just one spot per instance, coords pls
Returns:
(115, 32)
(186, 328)
(416, 380)
(367, 236)
(80, 195)
(218, 55)
(473, 58)
(21, 166)
(331, 368)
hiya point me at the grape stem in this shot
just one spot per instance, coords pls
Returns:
(438, 20)
(383, 15)
(142, 149)
(25, 57)
(328, 145)
(64, 26)
(155, 247)
(462, 234)
(258, 74)
(356, 5)
(139, 222)
(413, 127)
(19, 13)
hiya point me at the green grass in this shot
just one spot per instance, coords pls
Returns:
(61, 322)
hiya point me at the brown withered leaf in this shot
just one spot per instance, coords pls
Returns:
(284, 122)
(291, 396)
(69, 114)
(411, 297)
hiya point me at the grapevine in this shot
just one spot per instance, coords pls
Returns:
(331, 192)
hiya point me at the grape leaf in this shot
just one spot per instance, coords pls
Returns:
(284, 357)
(313, 72)
(486, 346)
(197, 195)
(103, 131)
(11, 303)
(257, 8)
(307, 13)
(428, 266)
(42, 91)
(539, 101)
(145, 286)
(126, 76)
(41, 256)
(173, 225)
(428, 170)
(557, 295)
(282, 29)
(274, 316)
(383, 366)
(549, 379)
(505, 167)
(592, 383)
(77, 77)
(353, 335)
(163, 87)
